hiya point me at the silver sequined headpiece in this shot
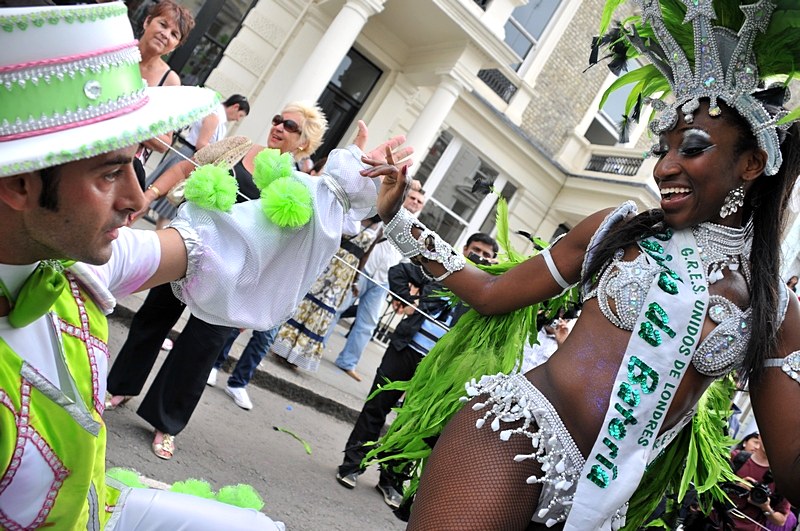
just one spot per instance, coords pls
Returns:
(725, 69)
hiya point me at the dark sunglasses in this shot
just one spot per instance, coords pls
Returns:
(289, 125)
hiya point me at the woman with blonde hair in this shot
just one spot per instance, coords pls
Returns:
(176, 390)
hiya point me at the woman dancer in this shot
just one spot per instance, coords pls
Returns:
(674, 298)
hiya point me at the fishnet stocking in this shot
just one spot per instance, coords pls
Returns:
(471, 481)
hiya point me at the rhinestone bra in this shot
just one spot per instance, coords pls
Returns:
(625, 283)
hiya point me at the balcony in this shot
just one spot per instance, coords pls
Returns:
(626, 166)
(499, 83)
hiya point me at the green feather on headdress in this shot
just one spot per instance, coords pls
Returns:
(776, 50)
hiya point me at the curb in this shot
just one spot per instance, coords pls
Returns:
(266, 380)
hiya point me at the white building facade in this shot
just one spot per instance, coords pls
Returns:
(483, 90)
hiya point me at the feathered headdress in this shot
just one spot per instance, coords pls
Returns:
(715, 49)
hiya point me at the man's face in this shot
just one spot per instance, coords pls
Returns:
(414, 201)
(484, 250)
(95, 198)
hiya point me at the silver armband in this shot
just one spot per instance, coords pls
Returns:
(429, 245)
(554, 272)
(194, 251)
(790, 365)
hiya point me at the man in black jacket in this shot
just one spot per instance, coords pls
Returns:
(411, 341)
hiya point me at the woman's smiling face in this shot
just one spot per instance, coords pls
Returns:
(162, 34)
(699, 164)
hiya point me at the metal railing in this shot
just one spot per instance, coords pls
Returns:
(499, 83)
(627, 166)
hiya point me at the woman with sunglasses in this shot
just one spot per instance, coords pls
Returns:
(176, 390)
(300, 342)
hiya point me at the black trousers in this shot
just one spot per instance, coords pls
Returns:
(179, 384)
(395, 365)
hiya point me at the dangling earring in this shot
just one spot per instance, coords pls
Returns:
(733, 201)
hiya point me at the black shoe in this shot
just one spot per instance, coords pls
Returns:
(390, 495)
(348, 480)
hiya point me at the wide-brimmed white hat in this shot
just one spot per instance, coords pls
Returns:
(70, 87)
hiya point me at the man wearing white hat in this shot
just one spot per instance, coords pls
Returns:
(74, 108)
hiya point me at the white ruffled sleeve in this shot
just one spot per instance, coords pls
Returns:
(244, 271)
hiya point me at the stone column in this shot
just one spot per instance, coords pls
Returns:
(423, 133)
(331, 49)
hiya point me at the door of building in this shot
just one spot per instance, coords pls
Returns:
(342, 99)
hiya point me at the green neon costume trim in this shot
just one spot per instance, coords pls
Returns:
(53, 17)
(38, 294)
(306, 446)
(68, 93)
(241, 495)
(121, 140)
(71, 508)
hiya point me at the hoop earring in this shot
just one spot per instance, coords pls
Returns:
(733, 201)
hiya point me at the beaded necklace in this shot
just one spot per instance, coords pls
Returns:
(722, 247)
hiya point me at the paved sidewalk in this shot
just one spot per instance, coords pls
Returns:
(328, 390)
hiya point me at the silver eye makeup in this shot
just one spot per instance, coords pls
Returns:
(695, 141)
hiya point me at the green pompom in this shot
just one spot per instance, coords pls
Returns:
(287, 203)
(212, 188)
(126, 476)
(271, 165)
(195, 487)
(244, 496)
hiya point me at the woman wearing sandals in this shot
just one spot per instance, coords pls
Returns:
(179, 384)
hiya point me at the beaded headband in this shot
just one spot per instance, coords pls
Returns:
(726, 62)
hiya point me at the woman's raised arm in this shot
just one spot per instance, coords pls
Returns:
(531, 282)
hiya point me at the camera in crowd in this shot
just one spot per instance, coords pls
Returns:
(760, 492)
(477, 259)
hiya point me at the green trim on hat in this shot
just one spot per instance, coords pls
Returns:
(119, 141)
(68, 96)
(10, 23)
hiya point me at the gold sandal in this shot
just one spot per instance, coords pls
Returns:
(164, 445)
(115, 401)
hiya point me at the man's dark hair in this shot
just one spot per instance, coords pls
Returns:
(238, 99)
(482, 237)
(49, 197)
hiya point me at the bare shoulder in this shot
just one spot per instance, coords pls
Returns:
(173, 79)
